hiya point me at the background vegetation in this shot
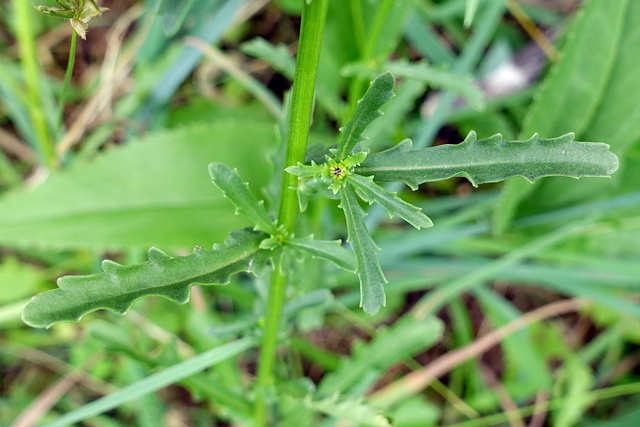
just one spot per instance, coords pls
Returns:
(534, 287)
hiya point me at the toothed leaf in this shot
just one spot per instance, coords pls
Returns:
(237, 191)
(118, 287)
(379, 92)
(347, 407)
(491, 160)
(308, 171)
(371, 192)
(369, 272)
(331, 251)
(311, 187)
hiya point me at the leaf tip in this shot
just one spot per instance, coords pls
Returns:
(472, 137)
(373, 306)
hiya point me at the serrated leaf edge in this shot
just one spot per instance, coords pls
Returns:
(158, 261)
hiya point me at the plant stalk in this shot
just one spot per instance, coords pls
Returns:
(67, 76)
(314, 15)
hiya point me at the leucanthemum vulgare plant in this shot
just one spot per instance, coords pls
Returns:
(347, 172)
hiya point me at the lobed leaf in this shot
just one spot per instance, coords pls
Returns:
(369, 272)
(118, 287)
(491, 160)
(347, 407)
(379, 92)
(371, 192)
(237, 191)
(331, 251)
(313, 170)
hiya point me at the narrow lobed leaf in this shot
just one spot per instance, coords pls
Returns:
(491, 160)
(347, 407)
(369, 272)
(237, 191)
(379, 92)
(308, 171)
(371, 192)
(118, 287)
(331, 251)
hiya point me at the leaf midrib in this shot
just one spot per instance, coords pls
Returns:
(368, 169)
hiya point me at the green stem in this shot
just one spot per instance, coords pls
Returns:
(312, 27)
(32, 77)
(67, 75)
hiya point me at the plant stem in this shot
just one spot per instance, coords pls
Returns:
(67, 75)
(312, 27)
(32, 76)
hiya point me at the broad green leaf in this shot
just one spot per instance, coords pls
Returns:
(379, 92)
(347, 407)
(18, 279)
(371, 192)
(491, 160)
(152, 192)
(593, 92)
(237, 191)
(369, 272)
(331, 251)
(118, 287)
(156, 381)
(406, 337)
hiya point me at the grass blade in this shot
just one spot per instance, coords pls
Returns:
(156, 381)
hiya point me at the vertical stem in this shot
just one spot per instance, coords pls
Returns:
(31, 69)
(311, 29)
(67, 75)
(314, 14)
